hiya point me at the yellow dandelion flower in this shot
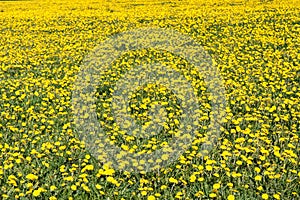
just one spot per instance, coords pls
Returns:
(193, 178)
(212, 195)
(276, 196)
(32, 177)
(151, 197)
(173, 180)
(217, 186)
(258, 178)
(53, 187)
(74, 187)
(230, 197)
(265, 196)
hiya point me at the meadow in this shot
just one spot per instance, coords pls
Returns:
(255, 46)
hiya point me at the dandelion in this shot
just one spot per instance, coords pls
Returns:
(173, 180)
(230, 197)
(258, 178)
(265, 196)
(193, 178)
(212, 195)
(38, 192)
(216, 186)
(151, 197)
(32, 177)
(276, 196)
(85, 187)
(53, 187)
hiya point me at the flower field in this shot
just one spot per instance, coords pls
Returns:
(254, 45)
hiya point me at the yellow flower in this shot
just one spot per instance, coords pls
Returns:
(257, 169)
(230, 197)
(37, 192)
(53, 187)
(157, 194)
(239, 162)
(276, 196)
(193, 178)
(173, 180)
(112, 180)
(32, 177)
(200, 179)
(258, 178)
(151, 197)
(260, 188)
(230, 185)
(178, 195)
(85, 187)
(199, 193)
(69, 178)
(216, 186)
(208, 167)
(73, 187)
(163, 187)
(87, 168)
(98, 186)
(265, 196)
(212, 195)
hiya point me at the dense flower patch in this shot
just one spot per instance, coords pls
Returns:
(255, 46)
